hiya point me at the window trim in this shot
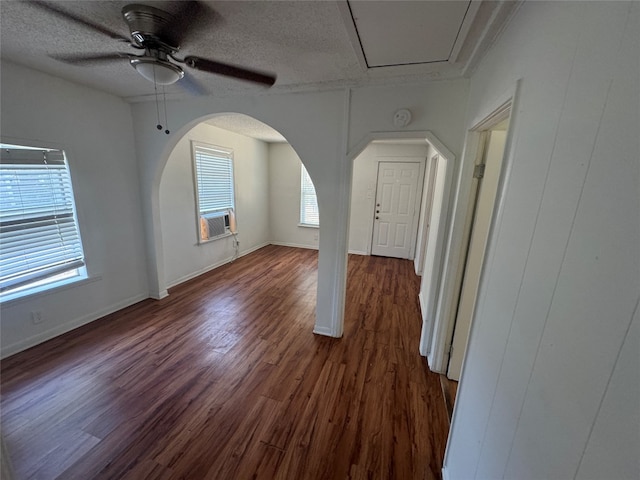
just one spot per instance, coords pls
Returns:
(226, 152)
(29, 294)
(65, 277)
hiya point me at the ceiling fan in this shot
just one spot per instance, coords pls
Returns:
(159, 34)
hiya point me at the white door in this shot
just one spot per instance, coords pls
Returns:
(488, 189)
(394, 225)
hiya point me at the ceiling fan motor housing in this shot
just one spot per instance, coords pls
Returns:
(159, 34)
(149, 27)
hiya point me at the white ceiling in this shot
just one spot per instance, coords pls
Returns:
(248, 126)
(308, 44)
(408, 32)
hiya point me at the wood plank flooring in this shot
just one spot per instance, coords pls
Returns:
(224, 379)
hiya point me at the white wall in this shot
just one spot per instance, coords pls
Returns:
(285, 193)
(184, 257)
(438, 107)
(284, 199)
(335, 120)
(95, 130)
(548, 389)
(363, 189)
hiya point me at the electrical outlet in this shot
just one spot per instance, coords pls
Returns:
(36, 317)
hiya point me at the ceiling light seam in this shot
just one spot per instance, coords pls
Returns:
(459, 29)
(364, 54)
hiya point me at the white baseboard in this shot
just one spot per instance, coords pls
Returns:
(445, 473)
(431, 362)
(424, 348)
(313, 247)
(326, 331)
(197, 273)
(208, 268)
(253, 249)
(422, 307)
(295, 245)
(68, 326)
(159, 295)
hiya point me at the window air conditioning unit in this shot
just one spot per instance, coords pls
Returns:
(216, 224)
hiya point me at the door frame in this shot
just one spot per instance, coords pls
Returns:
(503, 107)
(430, 177)
(434, 258)
(481, 208)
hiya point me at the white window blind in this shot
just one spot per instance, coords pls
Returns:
(308, 202)
(39, 236)
(214, 179)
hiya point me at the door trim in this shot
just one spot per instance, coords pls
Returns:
(425, 217)
(427, 135)
(438, 357)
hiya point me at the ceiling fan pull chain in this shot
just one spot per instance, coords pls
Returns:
(166, 119)
(155, 87)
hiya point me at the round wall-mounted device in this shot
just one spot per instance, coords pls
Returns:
(402, 118)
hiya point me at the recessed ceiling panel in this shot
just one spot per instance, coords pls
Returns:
(407, 32)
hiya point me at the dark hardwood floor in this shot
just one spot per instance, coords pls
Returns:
(224, 379)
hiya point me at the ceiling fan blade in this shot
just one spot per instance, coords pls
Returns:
(228, 70)
(190, 17)
(191, 85)
(78, 19)
(89, 59)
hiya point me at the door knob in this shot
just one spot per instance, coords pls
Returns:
(377, 217)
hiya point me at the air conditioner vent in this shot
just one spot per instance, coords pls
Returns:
(214, 225)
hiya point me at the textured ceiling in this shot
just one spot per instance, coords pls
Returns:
(249, 126)
(308, 44)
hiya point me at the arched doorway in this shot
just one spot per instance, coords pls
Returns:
(428, 241)
(264, 188)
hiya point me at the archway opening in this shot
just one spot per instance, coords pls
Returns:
(388, 220)
(234, 171)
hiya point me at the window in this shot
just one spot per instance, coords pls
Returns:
(308, 201)
(213, 168)
(39, 237)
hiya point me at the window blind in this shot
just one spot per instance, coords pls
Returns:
(39, 237)
(308, 202)
(214, 179)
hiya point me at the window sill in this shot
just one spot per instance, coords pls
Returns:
(308, 225)
(43, 290)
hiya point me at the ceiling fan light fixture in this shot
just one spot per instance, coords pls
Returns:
(154, 70)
